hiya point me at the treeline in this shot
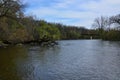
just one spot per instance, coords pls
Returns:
(27, 30)
(108, 28)
(75, 32)
(16, 28)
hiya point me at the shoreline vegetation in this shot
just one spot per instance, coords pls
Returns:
(17, 28)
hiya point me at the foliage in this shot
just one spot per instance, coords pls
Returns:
(47, 32)
(69, 32)
(112, 35)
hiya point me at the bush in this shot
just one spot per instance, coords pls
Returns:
(112, 35)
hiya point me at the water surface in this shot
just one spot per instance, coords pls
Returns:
(70, 60)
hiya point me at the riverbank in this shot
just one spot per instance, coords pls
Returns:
(3, 44)
(40, 43)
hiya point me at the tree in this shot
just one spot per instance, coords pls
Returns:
(101, 24)
(47, 32)
(115, 20)
(10, 8)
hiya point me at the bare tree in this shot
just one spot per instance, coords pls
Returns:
(101, 23)
(115, 20)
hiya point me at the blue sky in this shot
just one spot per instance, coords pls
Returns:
(72, 12)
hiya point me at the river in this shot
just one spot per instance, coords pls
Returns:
(70, 60)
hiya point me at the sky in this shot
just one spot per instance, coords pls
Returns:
(72, 12)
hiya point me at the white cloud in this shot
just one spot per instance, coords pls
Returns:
(84, 12)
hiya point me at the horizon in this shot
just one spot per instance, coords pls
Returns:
(73, 12)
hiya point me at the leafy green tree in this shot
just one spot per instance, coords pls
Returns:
(47, 32)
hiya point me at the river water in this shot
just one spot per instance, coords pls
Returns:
(70, 60)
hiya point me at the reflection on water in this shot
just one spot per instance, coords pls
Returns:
(70, 60)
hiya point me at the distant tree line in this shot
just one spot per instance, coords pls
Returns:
(75, 32)
(108, 28)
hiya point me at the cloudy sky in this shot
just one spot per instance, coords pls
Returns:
(72, 12)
